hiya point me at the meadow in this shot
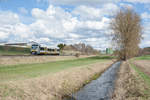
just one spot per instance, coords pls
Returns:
(146, 57)
(24, 71)
(50, 80)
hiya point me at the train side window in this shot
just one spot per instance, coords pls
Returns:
(41, 48)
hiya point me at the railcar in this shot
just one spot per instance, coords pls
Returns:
(37, 49)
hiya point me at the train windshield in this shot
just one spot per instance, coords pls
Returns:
(34, 47)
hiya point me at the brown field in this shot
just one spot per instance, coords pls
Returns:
(53, 86)
(144, 65)
(129, 85)
(12, 60)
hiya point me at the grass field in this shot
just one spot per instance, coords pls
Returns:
(141, 65)
(146, 57)
(24, 71)
(8, 50)
(73, 75)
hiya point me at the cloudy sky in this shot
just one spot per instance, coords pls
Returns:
(66, 21)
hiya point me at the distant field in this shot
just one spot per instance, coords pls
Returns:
(8, 50)
(146, 57)
(15, 60)
(24, 71)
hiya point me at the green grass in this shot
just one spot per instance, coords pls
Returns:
(8, 50)
(24, 71)
(146, 57)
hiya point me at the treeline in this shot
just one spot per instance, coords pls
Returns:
(144, 51)
(14, 49)
(10, 50)
(81, 48)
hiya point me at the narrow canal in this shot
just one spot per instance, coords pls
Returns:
(100, 89)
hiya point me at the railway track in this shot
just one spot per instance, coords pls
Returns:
(24, 55)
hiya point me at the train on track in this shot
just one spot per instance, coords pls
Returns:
(37, 49)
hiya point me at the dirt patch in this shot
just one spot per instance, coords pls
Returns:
(51, 87)
(13, 60)
(129, 85)
(143, 65)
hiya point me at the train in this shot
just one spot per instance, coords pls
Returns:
(37, 49)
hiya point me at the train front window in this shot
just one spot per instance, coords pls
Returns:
(34, 47)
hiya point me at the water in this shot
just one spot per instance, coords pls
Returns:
(100, 89)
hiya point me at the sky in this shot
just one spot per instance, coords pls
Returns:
(51, 22)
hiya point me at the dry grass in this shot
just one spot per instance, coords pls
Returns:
(51, 87)
(129, 85)
(13, 60)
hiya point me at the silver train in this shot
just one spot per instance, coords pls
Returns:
(36, 49)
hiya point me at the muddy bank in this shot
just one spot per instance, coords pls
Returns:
(51, 87)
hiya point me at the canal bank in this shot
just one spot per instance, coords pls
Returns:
(100, 89)
(52, 86)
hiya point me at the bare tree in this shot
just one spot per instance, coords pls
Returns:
(82, 48)
(127, 33)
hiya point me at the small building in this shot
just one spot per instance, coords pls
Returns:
(109, 51)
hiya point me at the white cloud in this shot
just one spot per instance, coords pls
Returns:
(91, 13)
(11, 28)
(23, 10)
(138, 1)
(126, 5)
(3, 35)
(55, 25)
(44, 40)
(22, 31)
(86, 12)
(79, 2)
(145, 15)
(94, 25)
(74, 35)
(8, 18)
(54, 22)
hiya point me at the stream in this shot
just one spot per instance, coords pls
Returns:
(99, 89)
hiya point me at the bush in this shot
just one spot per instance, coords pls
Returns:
(77, 55)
